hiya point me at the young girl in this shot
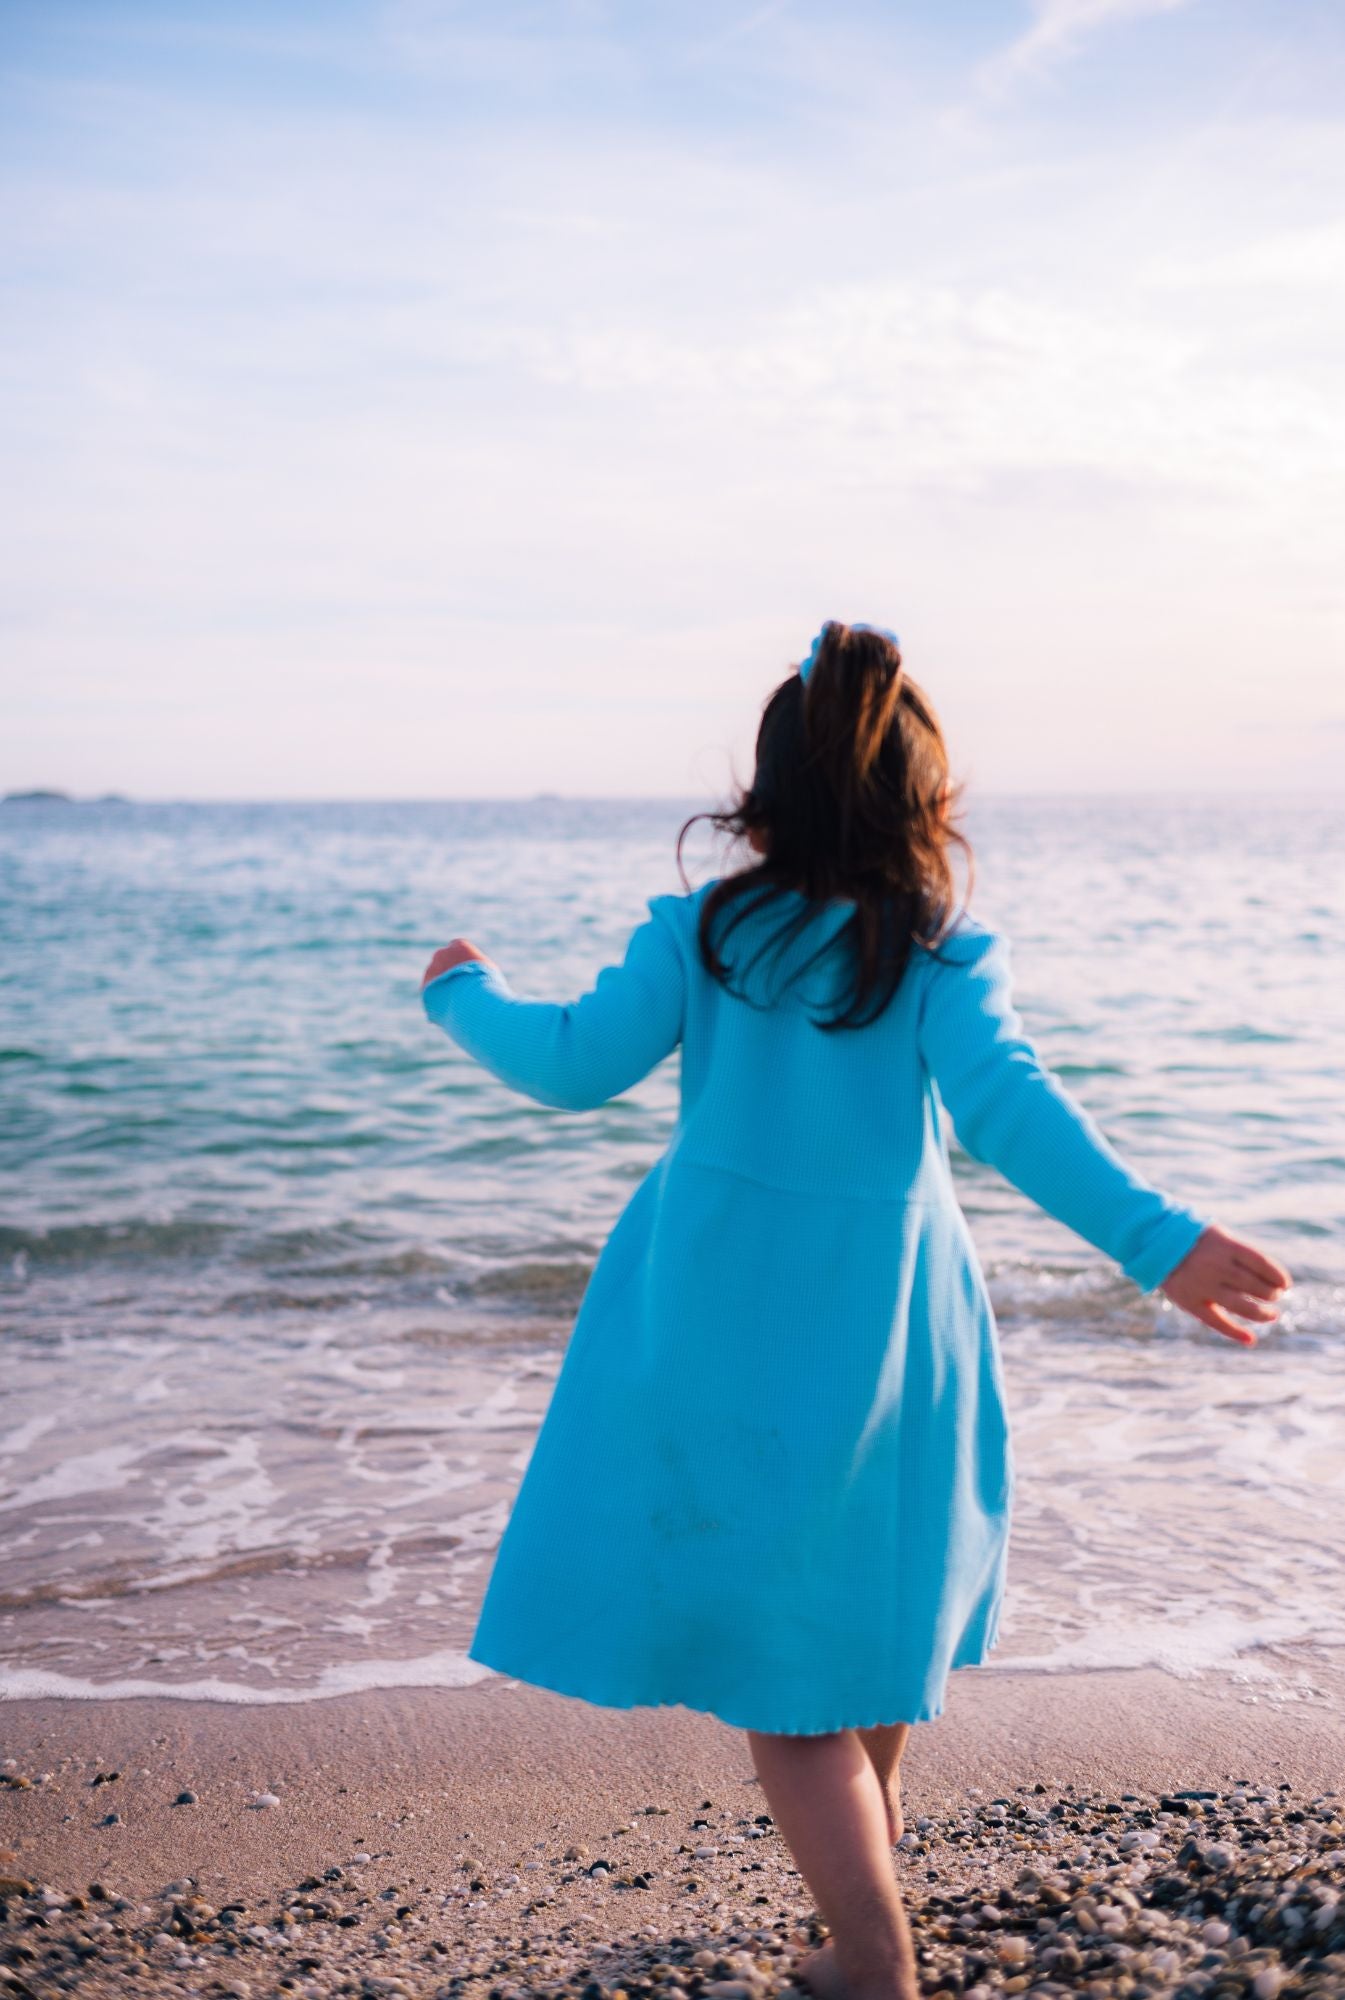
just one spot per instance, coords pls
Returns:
(782, 1402)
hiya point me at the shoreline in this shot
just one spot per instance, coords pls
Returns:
(492, 1784)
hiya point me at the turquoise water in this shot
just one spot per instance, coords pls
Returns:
(284, 1280)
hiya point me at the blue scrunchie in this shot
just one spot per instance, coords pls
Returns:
(816, 646)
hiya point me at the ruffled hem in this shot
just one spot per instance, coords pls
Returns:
(558, 1684)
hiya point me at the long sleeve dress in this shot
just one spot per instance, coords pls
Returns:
(775, 1476)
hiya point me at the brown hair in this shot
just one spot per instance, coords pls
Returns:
(850, 799)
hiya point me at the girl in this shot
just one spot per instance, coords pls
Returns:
(782, 1401)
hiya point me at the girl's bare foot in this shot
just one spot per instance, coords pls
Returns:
(820, 1973)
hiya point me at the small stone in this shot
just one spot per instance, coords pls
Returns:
(185, 1798)
(1268, 1982)
(262, 1800)
(110, 1819)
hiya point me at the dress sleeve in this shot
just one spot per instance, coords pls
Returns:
(1013, 1114)
(578, 1054)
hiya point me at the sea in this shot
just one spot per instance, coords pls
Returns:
(285, 1279)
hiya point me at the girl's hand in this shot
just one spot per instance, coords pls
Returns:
(1221, 1275)
(456, 953)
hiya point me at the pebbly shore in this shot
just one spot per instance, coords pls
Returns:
(1229, 1894)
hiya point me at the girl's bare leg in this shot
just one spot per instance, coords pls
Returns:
(826, 1799)
(885, 1745)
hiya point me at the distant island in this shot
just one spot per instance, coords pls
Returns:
(45, 798)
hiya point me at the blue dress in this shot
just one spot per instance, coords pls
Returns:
(774, 1478)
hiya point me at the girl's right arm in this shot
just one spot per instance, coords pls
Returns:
(1009, 1111)
(578, 1054)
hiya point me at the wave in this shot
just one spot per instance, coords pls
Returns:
(251, 1563)
(79, 1243)
(534, 1282)
(447, 1669)
(1218, 1640)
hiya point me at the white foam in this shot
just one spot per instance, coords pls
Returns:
(1185, 1650)
(103, 1471)
(431, 1670)
(18, 1440)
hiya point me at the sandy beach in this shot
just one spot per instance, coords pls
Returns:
(500, 1840)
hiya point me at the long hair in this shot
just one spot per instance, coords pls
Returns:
(850, 800)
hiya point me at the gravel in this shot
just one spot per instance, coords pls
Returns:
(1224, 1895)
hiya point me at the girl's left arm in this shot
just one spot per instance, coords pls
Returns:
(1011, 1112)
(579, 1054)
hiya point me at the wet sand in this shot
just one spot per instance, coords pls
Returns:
(479, 1814)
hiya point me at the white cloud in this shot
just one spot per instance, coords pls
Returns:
(1058, 28)
(1312, 258)
(897, 384)
(617, 412)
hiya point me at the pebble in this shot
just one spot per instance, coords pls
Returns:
(261, 1800)
(1244, 1902)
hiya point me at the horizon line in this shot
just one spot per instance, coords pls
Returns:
(38, 795)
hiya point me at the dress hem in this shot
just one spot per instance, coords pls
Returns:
(552, 1685)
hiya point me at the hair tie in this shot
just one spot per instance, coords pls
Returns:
(880, 630)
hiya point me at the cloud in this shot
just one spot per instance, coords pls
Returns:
(894, 383)
(1058, 28)
(1310, 258)
(611, 389)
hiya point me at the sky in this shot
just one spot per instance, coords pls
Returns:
(408, 399)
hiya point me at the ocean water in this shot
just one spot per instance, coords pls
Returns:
(285, 1280)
